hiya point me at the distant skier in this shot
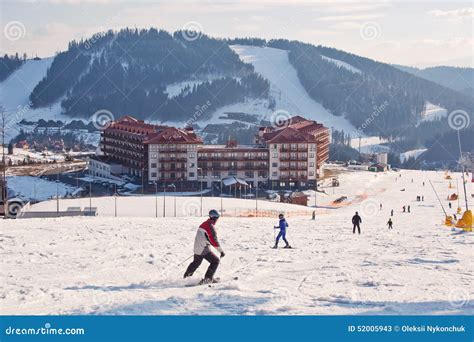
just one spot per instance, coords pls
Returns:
(390, 223)
(449, 205)
(380, 206)
(391, 212)
(205, 238)
(356, 221)
(282, 225)
(408, 208)
(404, 209)
(422, 198)
(423, 183)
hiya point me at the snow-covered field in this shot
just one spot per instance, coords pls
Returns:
(39, 189)
(412, 153)
(130, 265)
(433, 112)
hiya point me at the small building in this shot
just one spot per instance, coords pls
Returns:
(378, 167)
(296, 197)
(100, 166)
(22, 144)
(382, 158)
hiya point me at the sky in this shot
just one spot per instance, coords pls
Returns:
(415, 33)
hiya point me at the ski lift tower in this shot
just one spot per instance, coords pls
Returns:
(3, 175)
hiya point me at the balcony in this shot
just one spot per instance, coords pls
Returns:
(173, 159)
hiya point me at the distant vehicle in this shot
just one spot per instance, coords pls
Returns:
(15, 204)
(340, 199)
(272, 196)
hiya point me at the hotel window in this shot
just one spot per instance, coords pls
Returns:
(274, 164)
(311, 173)
(275, 146)
(192, 155)
(313, 147)
(153, 175)
(275, 155)
(311, 155)
(248, 174)
(311, 164)
(274, 174)
(191, 174)
(153, 165)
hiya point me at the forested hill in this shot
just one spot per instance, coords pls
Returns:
(459, 79)
(127, 72)
(8, 64)
(357, 92)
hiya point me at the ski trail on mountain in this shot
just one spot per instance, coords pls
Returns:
(285, 86)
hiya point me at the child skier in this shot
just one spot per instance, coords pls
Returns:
(282, 225)
(390, 223)
(205, 238)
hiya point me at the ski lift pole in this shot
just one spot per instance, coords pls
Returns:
(462, 170)
(445, 214)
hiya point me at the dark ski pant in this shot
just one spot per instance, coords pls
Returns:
(356, 225)
(281, 234)
(211, 270)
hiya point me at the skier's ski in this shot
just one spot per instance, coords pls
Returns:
(215, 281)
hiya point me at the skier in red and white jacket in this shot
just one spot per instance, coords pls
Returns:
(206, 237)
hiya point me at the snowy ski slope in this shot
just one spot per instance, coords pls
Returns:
(285, 88)
(131, 265)
(15, 92)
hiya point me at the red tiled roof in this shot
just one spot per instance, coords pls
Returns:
(288, 135)
(173, 135)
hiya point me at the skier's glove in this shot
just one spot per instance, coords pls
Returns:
(222, 254)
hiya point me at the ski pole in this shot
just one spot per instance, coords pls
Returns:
(184, 261)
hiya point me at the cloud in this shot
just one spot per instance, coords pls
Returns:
(459, 13)
(349, 18)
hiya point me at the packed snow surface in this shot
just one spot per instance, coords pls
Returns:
(134, 265)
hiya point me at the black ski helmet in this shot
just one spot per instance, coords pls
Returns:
(214, 214)
(281, 216)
